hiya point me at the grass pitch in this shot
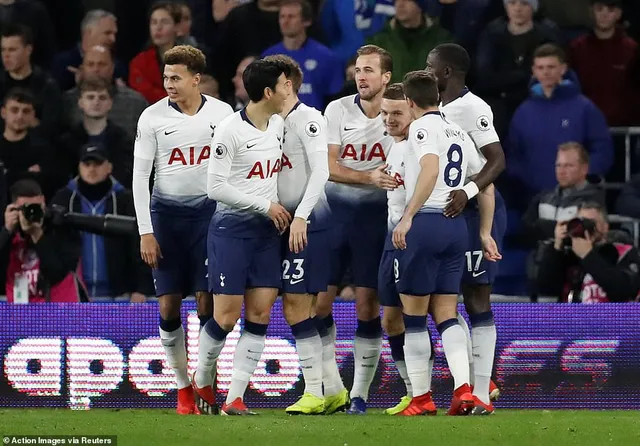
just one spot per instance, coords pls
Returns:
(274, 427)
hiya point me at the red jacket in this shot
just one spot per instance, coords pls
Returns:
(145, 75)
(607, 70)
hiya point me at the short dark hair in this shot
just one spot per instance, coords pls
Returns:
(20, 95)
(261, 74)
(187, 55)
(296, 75)
(173, 9)
(422, 88)
(27, 187)
(305, 8)
(550, 50)
(395, 92)
(596, 206)
(454, 56)
(94, 83)
(386, 60)
(18, 30)
(572, 145)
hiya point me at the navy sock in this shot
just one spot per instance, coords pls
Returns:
(369, 329)
(321, 327)
(414, 323)
(442, 326)
(304, 329)
(482, 319)
(255, 328)
(328, 321)
(170, 325)
(215, 331)
(204, 319)
(396, 343)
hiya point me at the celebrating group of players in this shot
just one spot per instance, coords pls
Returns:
(279, 199)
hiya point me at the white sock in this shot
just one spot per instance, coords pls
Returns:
(245, 360)
(465, 327)
(176, 352)
(417, 349)
(209, 347)
(213, 369)
(430, 372)
(330, 373)
(484, 346)
(366, 353)
(309, 348)
(454, 343)
(401, 365)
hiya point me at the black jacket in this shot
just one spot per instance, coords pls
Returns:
(126, 271)
(613, 266)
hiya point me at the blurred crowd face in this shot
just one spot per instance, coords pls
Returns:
(396, 116)
(17, 116)
(95, 104)
(103, 32)
(15, 54)
(406, 10)
(99, 63)
(238, 84)
(370, 80)
(94, 171)
(162, 28)
(291, 22)
(606, 17)
(519, 12)
(184, 27)
(570, 171)
(548, 71)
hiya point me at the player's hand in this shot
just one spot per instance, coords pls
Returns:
(150, 250)
(11, 218)
(138, 298)
(490, 249)
(400, 233)
(457, 201)
(560, 233)
(382, 179)
(280, 217)
(298, 235)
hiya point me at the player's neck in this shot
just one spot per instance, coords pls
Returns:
(452, 92)
(372, 106)
(420, 112)
(289, 103)
(190, 105)
(94, 126)
(259, 114)
(295, 42)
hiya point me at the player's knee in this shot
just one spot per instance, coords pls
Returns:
(367, 305)
(324, 304)
(296, 308)
(443, 308)
(258, 314)
(477, 299)
(392, 322)
(169, 307)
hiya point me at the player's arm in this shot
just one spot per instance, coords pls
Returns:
(224, 147)
(144, 152)
(487, 206)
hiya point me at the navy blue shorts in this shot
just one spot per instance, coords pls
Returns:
(238, 264)
(434, 258)
(477, 270)
(308, 271)
(183, 243)
(357, 245)
(387, 292)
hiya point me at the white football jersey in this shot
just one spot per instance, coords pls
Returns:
(180, 146)
(305, 138)
(475, 117)
(396, 198)
(433, 134)
(364, 146)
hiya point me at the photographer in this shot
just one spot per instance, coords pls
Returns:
(583, 266)
(40, 261)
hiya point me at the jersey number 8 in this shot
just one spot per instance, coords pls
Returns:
(455, 151)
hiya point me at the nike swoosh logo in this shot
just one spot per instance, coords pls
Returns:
(250, 145)
(369, 357)
(251, 351)
(293, 282)
(348, 130)
(169, 133)
(479, 274)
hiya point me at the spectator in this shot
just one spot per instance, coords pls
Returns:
(146, 70)
(96, 129)
(128, 104)
(98, 27)
(40, 260)
(570, 15)
(17, 46)
(628, 203)
(349, 87)
(322, 73)
(409, 37)
(32, 15)
(110, 266)
(583, 266)
(241, 97)
(604, 60)
(209, 86)
(561, 203)
(504, 58)
(555, 113)
(23, 153)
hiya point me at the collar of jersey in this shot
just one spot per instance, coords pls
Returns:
(294, 107)
(356, 100)
(177, 108)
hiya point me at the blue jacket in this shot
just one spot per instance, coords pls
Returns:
(541, 124)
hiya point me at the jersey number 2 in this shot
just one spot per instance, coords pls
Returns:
(454, 158)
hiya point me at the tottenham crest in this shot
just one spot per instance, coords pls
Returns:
(220, 151)
(312, 129)
(483, 123)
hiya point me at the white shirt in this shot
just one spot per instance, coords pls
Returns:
(305, 165)
(396, 198)
(243, 172)
(179, 146)
(458, 157)
(364, 146)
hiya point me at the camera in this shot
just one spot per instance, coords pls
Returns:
(33, 212)
(578, 228)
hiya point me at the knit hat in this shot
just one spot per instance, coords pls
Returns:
(422, 4)
(533, 3)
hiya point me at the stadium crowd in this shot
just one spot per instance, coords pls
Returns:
(76, 75)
